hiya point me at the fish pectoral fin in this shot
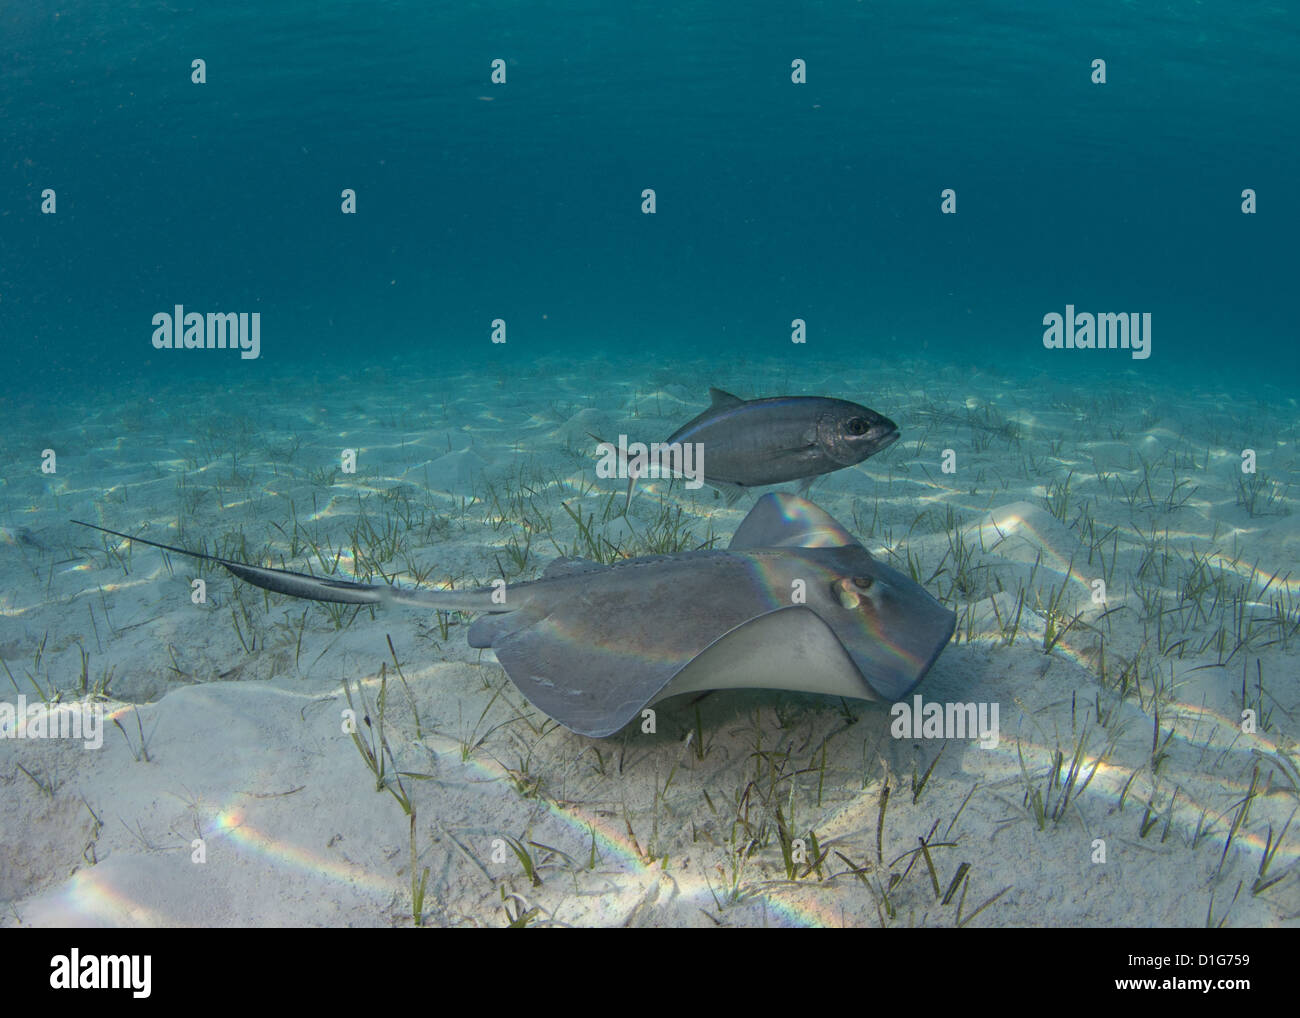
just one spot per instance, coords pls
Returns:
(730, 492)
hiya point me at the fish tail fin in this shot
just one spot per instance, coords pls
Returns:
(621, 454)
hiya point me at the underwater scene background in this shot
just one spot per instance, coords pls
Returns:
(474, 236)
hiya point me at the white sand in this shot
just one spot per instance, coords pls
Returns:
(243, 725)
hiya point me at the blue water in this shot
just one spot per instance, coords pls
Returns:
(522, 201)
(776, 201)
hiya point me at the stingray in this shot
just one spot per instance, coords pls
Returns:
(794, 603)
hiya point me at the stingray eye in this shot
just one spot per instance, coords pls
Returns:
(856, 426)
(863, 582)
(846, 594)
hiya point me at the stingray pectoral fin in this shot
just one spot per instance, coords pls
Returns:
(491, 629)
(782, 520)
(604, 645)
(896, 633)
(788, 649)
(599, 692)
(590, 690)
(572, 565)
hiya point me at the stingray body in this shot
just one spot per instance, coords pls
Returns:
(795, 602)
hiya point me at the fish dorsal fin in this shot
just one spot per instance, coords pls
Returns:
(719, 399)
(781, 520)
(570, 565)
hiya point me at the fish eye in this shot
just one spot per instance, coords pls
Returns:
(863, 582)
(856, 426)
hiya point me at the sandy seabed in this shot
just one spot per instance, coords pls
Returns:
(1125, 788)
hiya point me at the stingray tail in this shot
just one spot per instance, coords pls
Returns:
(322, 588)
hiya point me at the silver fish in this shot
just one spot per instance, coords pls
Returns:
(757, 442)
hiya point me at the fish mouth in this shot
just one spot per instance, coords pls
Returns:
(888, 438)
